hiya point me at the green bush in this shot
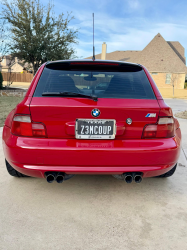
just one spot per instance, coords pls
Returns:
(185, 85)
(1, 81)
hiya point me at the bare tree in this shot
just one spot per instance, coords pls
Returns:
(37, 34)
(3, 39)
(9, 79)
(174, 81)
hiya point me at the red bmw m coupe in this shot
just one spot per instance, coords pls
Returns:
(92, 117)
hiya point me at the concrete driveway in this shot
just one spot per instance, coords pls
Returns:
(95, 212)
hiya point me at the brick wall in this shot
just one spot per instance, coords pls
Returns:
(160, 79)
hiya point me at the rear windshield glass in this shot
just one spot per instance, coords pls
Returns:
(103, 84)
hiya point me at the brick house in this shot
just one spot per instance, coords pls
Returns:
(13, 65)
(164, 60)
(5, 63)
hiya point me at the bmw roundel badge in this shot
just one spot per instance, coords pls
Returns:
(96, 112)
(129, 121)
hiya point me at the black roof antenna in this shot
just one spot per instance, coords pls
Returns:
(93, 58)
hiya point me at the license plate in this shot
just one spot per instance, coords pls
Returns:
(95, 129)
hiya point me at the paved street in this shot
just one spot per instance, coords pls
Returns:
(180, 105)
(177, 104)
(96, 212)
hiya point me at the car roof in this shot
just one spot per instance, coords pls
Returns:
(90, 60)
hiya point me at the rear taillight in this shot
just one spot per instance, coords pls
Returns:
(23, 126)
(163, 129)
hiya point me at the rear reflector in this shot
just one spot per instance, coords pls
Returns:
(163, 129)
(150, 131)
(38, 130)
(22, 126)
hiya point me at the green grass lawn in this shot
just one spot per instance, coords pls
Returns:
(7, 104)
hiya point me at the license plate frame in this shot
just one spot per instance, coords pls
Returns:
(95, 136)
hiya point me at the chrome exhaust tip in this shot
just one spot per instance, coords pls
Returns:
(128, 177)
(138, 178)
(59, 178)
(50, 177)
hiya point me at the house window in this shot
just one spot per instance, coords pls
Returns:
(168, 78)
(154, 73)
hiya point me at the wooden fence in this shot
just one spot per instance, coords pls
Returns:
(17, 77)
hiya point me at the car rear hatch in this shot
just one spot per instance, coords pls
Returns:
(123, 91)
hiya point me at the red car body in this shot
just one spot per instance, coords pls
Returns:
(60, 151)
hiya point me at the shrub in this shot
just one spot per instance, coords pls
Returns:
(1, 81)
(185, 85)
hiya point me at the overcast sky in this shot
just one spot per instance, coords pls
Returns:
(125, 24)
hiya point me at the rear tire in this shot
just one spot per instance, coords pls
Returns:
(169, 173)
(12, 171)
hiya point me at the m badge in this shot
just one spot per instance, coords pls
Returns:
(151, 115)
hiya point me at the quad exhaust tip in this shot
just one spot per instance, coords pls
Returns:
(59, 178)
(52, 176)
(129, 177)
(138, 178)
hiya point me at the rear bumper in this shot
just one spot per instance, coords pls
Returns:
(34, 157)
(38, 170)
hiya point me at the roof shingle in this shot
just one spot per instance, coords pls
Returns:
(157, 56)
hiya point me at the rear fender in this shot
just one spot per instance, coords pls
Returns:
(23, 106)
(176, 122)
(165, 110)
(8, 121)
